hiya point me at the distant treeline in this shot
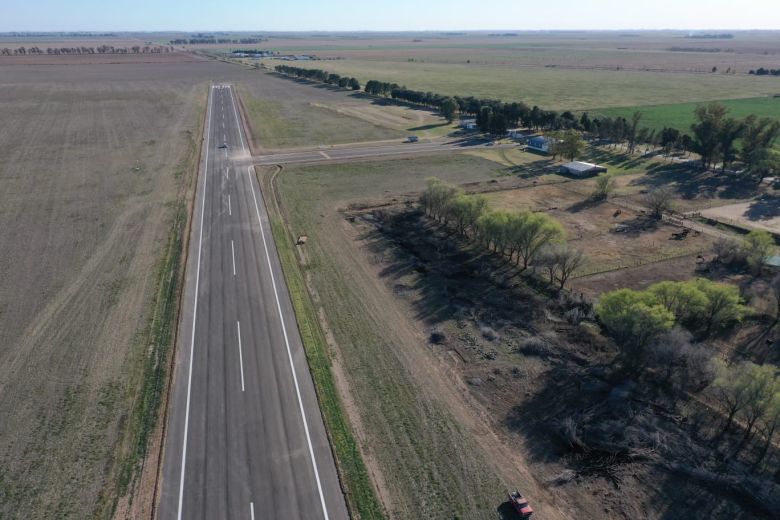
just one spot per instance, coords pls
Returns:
(102, 49)
(722, 36)
(49, 34)
(765, 72)
(699, 49)
(202, 41)
(319, 75)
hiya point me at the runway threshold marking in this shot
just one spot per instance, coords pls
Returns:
(289, 350)
(195, 311)
(240, 355)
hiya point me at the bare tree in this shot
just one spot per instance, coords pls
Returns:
(659, 200)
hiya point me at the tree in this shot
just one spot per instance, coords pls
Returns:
(448, 109)
(757, 246)
(770, 422)
(733, 390)
(437, 198)
(492, 228)
(683, 299)
(758, 137)
(723, 305)
(565, 260)
(354, 84)
(465, 211)
(632, 130)
(634, 319)
(760, 392)
(534, 231)
(707, 132)
(571, 144)
(605, 184)
(730, 131)
(659, 200)
(774, 289)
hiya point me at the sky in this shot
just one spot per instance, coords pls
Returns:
(397, 15)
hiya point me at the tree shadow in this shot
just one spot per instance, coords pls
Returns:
(691, 182)
(765, 207)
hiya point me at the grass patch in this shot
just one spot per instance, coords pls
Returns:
(360, 494)
(361, 498)
(288, 124)
(680, 115)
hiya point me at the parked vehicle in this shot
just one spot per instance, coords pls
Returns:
(520, 503)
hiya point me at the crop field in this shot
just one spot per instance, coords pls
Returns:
(96, 162)
(680, 115)
(287, 114)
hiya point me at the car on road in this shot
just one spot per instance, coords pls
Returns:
(223, 145)
(412, 139)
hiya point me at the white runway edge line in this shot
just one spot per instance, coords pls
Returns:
(195, 306)
(287, 344)
(240, 354)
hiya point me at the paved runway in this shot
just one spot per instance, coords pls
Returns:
(245, 437)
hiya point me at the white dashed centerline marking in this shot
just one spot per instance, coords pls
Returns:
(233, 254)
(240, 355)
(252, 510)
(230, 207)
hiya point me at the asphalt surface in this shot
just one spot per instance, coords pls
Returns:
(245, 438)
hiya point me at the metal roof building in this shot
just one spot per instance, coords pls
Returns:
(581, 169)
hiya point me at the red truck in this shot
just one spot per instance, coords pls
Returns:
(520, 503)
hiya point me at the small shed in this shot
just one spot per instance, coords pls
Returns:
(540, 144)
(582, 169)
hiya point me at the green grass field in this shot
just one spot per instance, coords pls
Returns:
(680, 115)
(553, 88)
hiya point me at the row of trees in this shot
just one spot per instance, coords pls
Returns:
(720, 138)
(319, 75)
(715, 136)
(102, 49)
(525, 238)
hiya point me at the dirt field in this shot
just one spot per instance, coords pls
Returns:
(763, 213)
(93, 159)
(591, 227)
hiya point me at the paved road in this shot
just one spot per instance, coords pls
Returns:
(245, 436)
(387, 150)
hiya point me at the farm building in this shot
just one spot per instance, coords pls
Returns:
(581, 169)
(515, 133)
(468, 124)
(540, 144)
